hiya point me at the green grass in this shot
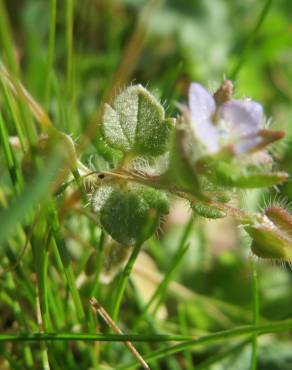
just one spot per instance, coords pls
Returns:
(186, 298)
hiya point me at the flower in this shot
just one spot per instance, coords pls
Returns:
(219, 121)
(217, 136)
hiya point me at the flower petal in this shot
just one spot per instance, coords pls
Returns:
(243, 116)
(207, 133)
(201, 103)
(202, 108)
(247, 144)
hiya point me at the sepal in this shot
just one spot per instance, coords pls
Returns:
(180, 174)
(271, 234)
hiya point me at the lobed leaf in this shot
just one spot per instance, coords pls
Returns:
(125, 210)
(136, 123)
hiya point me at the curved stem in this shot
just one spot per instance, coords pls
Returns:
(124, 280)
(153, 181)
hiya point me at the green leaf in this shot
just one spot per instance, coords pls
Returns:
(156, 199)
(236, 175)
(207, 211)
(136, 123)
(125, 211)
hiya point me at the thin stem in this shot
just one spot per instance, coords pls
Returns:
(99, 261)
(64, 261)
(43, 345)
(69, 276)
(15, 115)
(256, 310)
(20, 255)
(184, 329)
(124, 280)
(152, 218)
(51, 47)
(69, 40)
(160, 291)
(70, 94)
(80, 185)
(213, 338)
(186, 232)
(225, 353)
(10, 158)
(7, 39)
(106, 317)
(16, 307)
(155, 183)
(187, 340)
(16, 87)
(250, 40)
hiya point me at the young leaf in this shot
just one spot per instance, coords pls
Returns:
(136, 123)
(124, 211)
(237, 175)
(233, 175)
(207, 211)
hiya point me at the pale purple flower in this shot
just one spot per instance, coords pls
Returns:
(218, 124)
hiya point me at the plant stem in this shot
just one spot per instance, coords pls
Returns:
(187, 340)
(213, 338)
(255, 293)
(250, 40)
(7, 44)
(99, 260)
(153, 181)
(64, 260)
(160, 291)
(124, 281)
(10, 158)
(51, 47)
(69, 41)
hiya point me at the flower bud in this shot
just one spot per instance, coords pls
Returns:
(271, 234)
(224, 92)
(281, 217)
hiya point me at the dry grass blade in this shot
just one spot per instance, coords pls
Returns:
(106, 317)
(19, 90)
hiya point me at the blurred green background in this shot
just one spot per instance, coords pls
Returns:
(164, 46)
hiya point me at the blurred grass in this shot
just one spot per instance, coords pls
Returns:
(71, 56)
